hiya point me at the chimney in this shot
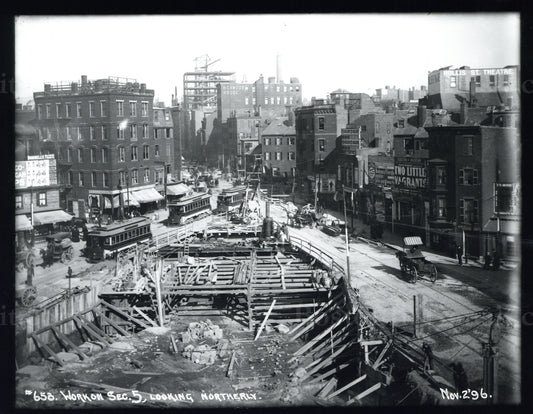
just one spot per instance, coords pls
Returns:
(463, 114)
(290, 115)
(421, 115)
(74, 87)
(47, 87)
(473, 99)
(272, 79)
(143, 87)
(83, 80)
(278, 69)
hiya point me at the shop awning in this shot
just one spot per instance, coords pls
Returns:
(147, 196)
(116, 201)
(51, 217)
(177, 189)
(22, 223)
(507, 226)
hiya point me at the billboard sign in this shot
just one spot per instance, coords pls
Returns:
(37, 171)
(410, 174)
(506, 198)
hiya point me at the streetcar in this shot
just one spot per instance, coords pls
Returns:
(231, 199)
(106, 241)
(188, 207)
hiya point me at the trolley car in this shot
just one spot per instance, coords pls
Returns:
(231, 199)
(188, 207)
(105, 242)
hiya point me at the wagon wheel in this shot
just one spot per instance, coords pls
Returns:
(433, 273)
(69, 253)
(414, 273)
(28, 296)
(403, 268)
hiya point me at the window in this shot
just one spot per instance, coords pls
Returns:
(468, 144)
(92, 135)
(91, 109)
(285, 100)
(120, 108)
(267, 141)
(322, 145)
(476, 79)
(156, 151)
(40, 133)
(147, 175)
(363, 128)
(453, 81)
(103, 132)
(122, 178)
(67, 110)
(291, 140)
(120, 132)
(278, 156)
(291, 155)
(441, 207)
(133, 131)
(134, 153)
(321, 122)
(58, 110)
(134, 177)
(156, 115)
(105, 155)
(146, 152)
(78, 109)
(47, 110)
(279, 141)
(144, 108)
(93, 155)
(275, 171)
(68, 134)
(272, 100)
(468, 176)
(167, 116)
(267, 156)
(377, 127)
(81, 179)
(70, 177)
(93, 179)
(253, 101)
(39, 111)
(41, 199)
(169, 132)
(105, 179)
(168, 153)
(278, 100)
(80, 154)
(158, 176)
(246, 101)
(290, 100)
(78, 133)
(468, 211)
(145, 130)
(133, 108)
(121, 154)
(441, 175)
(69, 154)
(492, 80)
(401, 123)
(18, 201)
(506, 80)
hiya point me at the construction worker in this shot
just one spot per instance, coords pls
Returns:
(69, 272)
(428, 361)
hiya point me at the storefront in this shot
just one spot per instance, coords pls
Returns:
(148, 199)
(49, 222)
(23, 232)
(502, 234)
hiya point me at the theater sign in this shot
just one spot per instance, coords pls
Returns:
(410, 174)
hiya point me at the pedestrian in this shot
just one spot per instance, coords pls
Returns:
(459, 376)
(460, 254)
(69, 272)
(85, 232)
(495, 260)
(488, 260)
(428, 361)
(29, 275)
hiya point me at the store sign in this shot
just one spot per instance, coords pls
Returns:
(410, 174)
(506, 198)
(381, 170)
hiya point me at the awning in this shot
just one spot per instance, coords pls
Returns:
(116, 201)
(22, 223)
(177, 189)
(147, 196)
(507, 226)
(412, 241)
(51, 217)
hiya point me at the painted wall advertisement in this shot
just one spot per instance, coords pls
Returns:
(37, 171)
(381, 170)
(410, 174)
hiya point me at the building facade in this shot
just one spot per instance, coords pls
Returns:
(279, 148)
(102, 133)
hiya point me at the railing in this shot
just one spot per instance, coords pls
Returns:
(313, 251)
(169, 237)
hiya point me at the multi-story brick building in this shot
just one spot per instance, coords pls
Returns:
(447, 87)
(242, 137)
(102, 132)
(279, 148)
(267, 100)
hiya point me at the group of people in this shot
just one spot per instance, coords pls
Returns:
(492, 259)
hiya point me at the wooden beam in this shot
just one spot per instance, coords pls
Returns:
(377, 362)
(95, 328)
(174, 346)
(327, 388)
(326, 361)
(362, 395)
(311, 343)
(65, 339)
(329, 373)
(314, 315)
(124, 314)
(112, 323)
(41, 344)
(90, 331)
(265, 319)
(349, 385)
(144, 315)
(231, 363)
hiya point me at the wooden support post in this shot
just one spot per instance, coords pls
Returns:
(41, 344)
(144, 315)
(326, 361)
(414, 316)
(328, 373)
(62, 337)
(420, 315)
(158, 273)
(362, 395)
(90, 331)
(349, 385)
(318, 315)
(330, 385)
(313, 342)
(117, 327)
(124, 314)
(265, 319)
(174, 346)
(231, 363)
(378, 362)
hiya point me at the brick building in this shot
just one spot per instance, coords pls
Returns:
(102, 133)
(279, 148)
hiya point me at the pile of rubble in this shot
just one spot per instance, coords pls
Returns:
(205, 343)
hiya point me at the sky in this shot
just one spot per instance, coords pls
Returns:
(356, 52)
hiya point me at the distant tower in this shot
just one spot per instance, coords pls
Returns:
(278, 69)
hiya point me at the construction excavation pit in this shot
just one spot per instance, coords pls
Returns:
(222, 323)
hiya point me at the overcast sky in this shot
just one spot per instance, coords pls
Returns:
(357, 52)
